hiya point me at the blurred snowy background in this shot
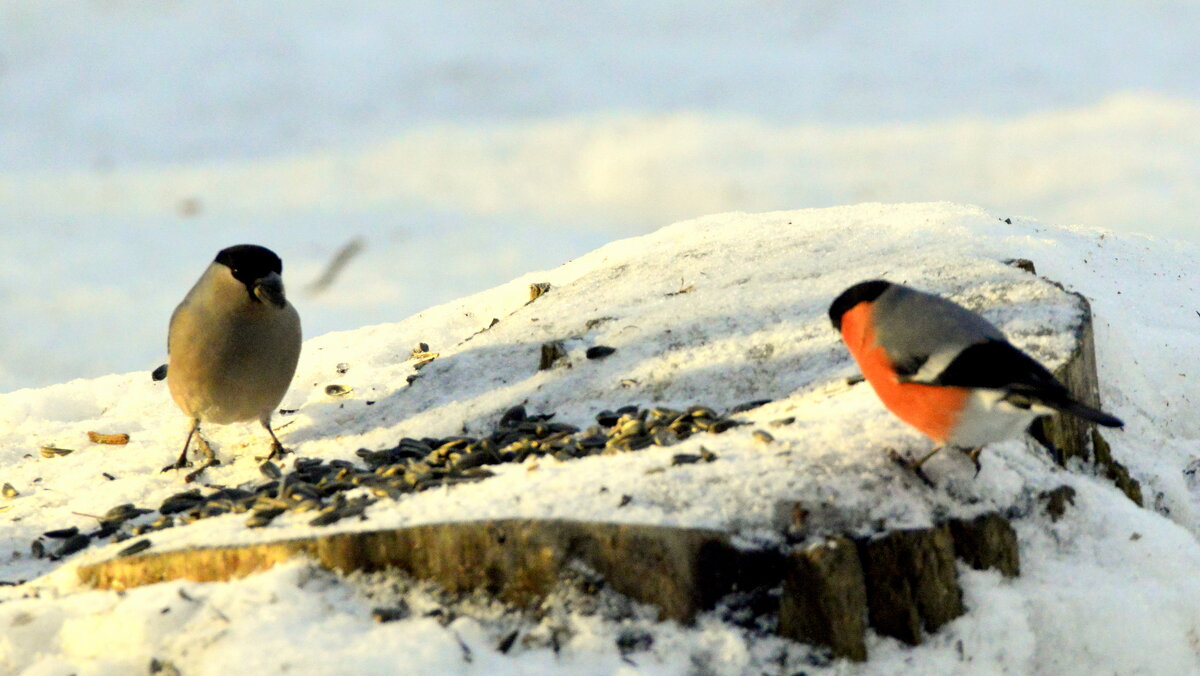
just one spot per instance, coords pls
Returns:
(464, 143)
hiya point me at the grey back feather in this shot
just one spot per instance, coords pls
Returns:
(923, 332)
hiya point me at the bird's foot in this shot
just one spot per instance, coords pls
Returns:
(181, 463)
(911, 465)
(973, 454)
(191, 476)
(277, 451)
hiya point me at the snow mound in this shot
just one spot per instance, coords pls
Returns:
(716, 311)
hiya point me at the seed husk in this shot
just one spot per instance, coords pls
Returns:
(72, 544)
(62, 533)
(110, 439)
(135, 548)
(599, 351)
(270, 470)
(55, 452)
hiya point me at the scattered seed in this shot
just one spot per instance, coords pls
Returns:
(110, 439)
(398, 612)
(135, 548)
(326, 518)
(9, 492)
(54, 451)
(72, 544)
(62, 533)
(124, 512)
(337, 390)
(319, 487)
(537, 290)
(506, 643)
(599, 351)
(270, 470)
(742, 408)
(783, 421)
(722, 425)
(763, 437)
(180, 502)
(263, 517)
(625, 500)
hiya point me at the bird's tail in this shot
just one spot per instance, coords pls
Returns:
(1087, 413)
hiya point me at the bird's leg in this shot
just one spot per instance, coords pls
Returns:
(915, 465)
(973, 454)
(277, 449)
(210, 458)
(183, 461)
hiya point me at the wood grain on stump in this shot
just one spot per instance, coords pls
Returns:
(681, 571)
(1070, 437)
(988, 541)
(825, 598)
(911, 582)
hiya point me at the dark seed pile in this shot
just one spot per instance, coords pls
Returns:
(322, 488)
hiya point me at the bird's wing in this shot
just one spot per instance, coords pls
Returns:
(997, 365)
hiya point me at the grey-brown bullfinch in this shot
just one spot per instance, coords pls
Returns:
(233, 345)
(945, 370)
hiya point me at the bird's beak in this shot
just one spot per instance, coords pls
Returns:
(269, 289)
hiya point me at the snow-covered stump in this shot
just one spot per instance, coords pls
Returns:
(902, 584)
(1070, 437)
(987, 541)
(911, 582)
(681, 571)
(825, 598)
(684, 396)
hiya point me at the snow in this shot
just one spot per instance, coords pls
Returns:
(467, 143)
(1109, 587)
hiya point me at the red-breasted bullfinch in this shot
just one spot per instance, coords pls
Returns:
(945, 370)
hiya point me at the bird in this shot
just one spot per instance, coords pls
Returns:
(232, 346)
(947, 371)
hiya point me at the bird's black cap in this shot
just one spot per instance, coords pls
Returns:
(863, 292)
(250, 262)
